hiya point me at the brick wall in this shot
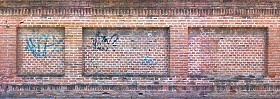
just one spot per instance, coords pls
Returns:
(227, 51)
(190, 49)
(40, 51)
(127, 52)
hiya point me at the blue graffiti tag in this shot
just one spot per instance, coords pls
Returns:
(34, 45)
(146, 60)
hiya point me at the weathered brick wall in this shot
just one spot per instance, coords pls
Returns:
(130, 49)
(40, 51)
(126, 52)
(227, 51)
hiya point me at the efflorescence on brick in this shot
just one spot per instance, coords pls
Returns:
(140, 49)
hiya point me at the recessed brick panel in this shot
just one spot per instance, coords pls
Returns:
(227, 51)
(40, 51)
(125, 51)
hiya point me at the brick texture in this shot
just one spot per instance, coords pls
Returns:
(227, 51)
(40, 51)
(140, 48)
(128, 52)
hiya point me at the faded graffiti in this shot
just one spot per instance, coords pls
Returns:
(103, 43)
(39, 45)
(147, 60)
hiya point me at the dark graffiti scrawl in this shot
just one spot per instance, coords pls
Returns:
(104, 43)
(44, 50)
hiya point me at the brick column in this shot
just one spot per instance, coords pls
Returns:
(73, 53)
(273, 61)
(178, 51)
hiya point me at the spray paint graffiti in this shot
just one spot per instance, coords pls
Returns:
(39, 46)
(102, 43)
(146, 60)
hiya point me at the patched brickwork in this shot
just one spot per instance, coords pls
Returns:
(227, 51)
(126, 51)
(40, 51)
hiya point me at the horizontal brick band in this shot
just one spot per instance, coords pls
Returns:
(211, 88)
(147, 12)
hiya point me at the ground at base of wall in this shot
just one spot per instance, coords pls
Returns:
(142, 94)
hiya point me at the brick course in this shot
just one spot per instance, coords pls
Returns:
(174, 23)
